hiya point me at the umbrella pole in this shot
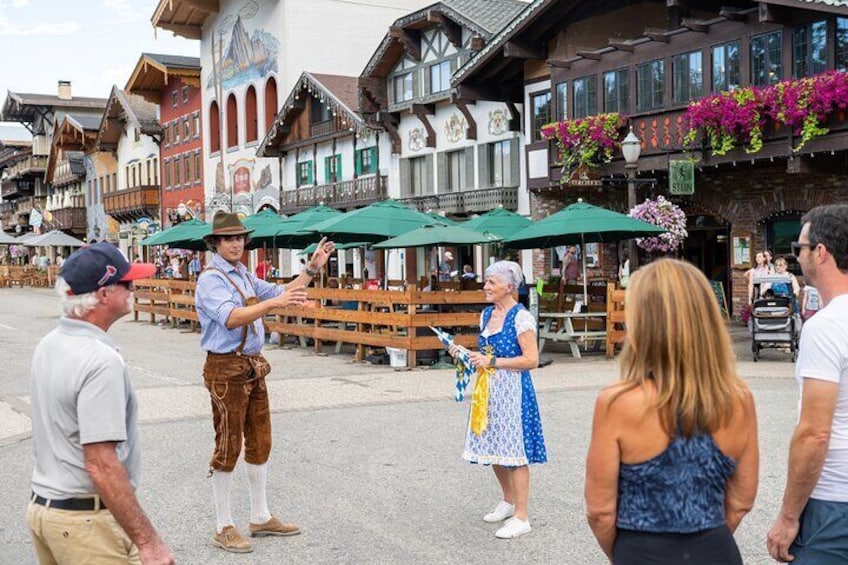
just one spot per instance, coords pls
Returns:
(585, 282)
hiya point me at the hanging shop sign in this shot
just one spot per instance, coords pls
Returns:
(584, 175)
(681, 176)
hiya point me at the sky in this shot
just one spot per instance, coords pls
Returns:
(92, 43)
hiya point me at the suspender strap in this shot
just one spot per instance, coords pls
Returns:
(244, 300)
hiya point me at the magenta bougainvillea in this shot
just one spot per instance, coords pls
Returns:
(664, 214)
(590, 141)
(731, 119)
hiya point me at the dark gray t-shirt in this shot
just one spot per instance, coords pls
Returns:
(81, 394)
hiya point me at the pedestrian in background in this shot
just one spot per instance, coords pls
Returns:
(83, 506)
(194, 267)
(673, 461)
(504, 427)
(231, 303)
(812, 525)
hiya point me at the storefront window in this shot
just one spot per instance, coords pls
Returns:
(780, 233)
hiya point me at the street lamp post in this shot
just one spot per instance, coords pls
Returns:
(631, 147)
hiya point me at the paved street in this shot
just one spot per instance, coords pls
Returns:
(366, 458)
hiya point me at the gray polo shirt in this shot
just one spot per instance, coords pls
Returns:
(81, 393)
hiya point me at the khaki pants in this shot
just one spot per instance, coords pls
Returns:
(240, 409)
(75, 537)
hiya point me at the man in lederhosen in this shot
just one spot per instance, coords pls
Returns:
(231, 302)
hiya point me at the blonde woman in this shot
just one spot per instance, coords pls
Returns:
(673, 461)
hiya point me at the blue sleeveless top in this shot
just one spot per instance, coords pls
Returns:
(681, 490)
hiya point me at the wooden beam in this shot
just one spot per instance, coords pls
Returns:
(421, 111)
(451, 29)
(462, 106)
(477, 43)
(733, 14)
(594, 55)
(473, 91)
(516, 50)
(189, 32)
(409, 38)
(208, 6)
(390, 122)
(559, 64)
(774, 14)
(620, 45)
(514, 117)
(656, 34)
(695, 25)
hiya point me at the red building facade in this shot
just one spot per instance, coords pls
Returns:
(173, 82)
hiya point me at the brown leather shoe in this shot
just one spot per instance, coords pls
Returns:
(230, 539)
(274, 527)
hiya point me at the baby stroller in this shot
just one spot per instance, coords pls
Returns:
(774, 323)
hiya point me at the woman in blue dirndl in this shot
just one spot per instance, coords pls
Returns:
(504, 428)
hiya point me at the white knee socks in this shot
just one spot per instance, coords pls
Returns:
(257, 476)
(222, 483)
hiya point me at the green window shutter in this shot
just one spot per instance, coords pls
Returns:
(338, 167)
(328, 176)
(375, 160)
(357, 162)
(310, 176)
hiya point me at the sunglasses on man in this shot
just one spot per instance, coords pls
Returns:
(797, 246)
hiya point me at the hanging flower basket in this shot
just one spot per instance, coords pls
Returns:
(588, 141)
(728, 119)
(664, 214)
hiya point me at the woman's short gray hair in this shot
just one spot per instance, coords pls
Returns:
(508, 271)
(74, 306)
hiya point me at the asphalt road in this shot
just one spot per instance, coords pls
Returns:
(367, 459)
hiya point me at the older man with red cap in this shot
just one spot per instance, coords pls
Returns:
(83, 507)
(231, 302)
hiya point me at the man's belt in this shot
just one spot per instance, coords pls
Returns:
(87, 504)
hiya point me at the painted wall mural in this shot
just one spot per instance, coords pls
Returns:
(417, 139)
(252, 188)
(244, 55)
(455, 127)
(498, 122)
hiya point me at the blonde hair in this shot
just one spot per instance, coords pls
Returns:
(676, 338)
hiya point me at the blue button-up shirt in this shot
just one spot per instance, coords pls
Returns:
(215, 300)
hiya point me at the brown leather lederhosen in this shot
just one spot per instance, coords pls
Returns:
(240, 409)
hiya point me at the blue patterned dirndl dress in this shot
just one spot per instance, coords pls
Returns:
(513, 437)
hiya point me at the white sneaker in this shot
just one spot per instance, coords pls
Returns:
(501, 512)
(513, 528)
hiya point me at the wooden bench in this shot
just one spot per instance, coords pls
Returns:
(181, 303)
(616, 332)
(153, 297)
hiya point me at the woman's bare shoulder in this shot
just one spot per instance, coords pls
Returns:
(622, 396)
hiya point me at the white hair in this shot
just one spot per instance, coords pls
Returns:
(74, 306)
(508, 271)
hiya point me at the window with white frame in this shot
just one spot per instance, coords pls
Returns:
(456, 170)
(500, 163)
(403, 87)
(440, 74)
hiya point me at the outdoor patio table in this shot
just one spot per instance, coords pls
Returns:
(566, 332)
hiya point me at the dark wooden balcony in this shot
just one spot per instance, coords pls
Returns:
(344, 194)
(132, 203)
(662, 134)
(12, 189)
(70, 219)
(34, 164)
(319, 129)
(467, 201)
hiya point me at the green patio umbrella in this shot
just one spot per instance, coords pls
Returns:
(264, 220)
(498, 221)
(185, 235)
(579, 224)
(294, 232)
(374, 223)
(442, 219)
(314, 245)
(427, 236)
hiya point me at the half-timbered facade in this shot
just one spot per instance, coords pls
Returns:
(25, 187)
(130, 130)
(453, 155)
(567, 60)
(13, 150)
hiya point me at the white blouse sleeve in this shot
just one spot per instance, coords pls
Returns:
(525, 321)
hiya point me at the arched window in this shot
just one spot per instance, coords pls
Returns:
(214, 128)
(270, 102)
(250, 112)
(232, 121)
